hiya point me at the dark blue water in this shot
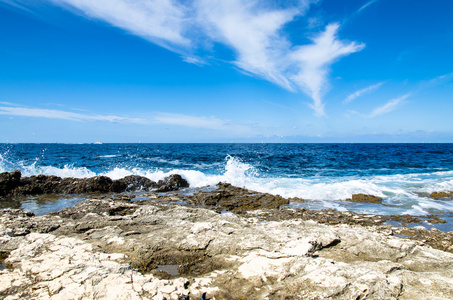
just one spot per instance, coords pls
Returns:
(325, 174)
(279, 159)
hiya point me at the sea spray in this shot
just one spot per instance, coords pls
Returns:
(403, 175)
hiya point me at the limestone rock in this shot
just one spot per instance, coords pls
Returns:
(108, 249)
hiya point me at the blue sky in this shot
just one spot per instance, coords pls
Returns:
(226, 71)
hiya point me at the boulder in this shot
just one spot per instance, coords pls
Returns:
(229, 197)
(365, 198)
(172, 183)
(132, 183)
(440, 195)
(9, 181)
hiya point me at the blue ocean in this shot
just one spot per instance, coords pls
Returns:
(323, 174)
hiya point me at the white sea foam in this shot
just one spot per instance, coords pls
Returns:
(236, 173)
(406, 191)
(35, 169)
(108, 156)
(164, 161)
(243, 174)
(118, 173)
(66, 171)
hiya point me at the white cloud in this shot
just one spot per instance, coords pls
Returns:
(159, 118)
(9, 103)
(64, 115)
(15, 4)
(314, 61)
(252, 32)
(160, 21)
(189, 121)
(253, 29)
(390, 106)
(361, 92)
(366, 5)
(314, 22)
(212, 123)
(255, 33)
(194, 60)
(439, 80)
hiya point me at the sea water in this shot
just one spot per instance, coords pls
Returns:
(325, 175)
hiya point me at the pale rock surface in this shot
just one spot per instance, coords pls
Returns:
(225, 255)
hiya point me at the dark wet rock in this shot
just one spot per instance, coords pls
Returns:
(37, 185)
(433, 219)
(440, 195)
(9, 181)
(235, 199)
(3, 255)
(12, 185)
(100, 184)
(365, 198)
(43, 184)
(172, 183)
(133, 183)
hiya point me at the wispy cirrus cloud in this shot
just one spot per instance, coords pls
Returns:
(386, 108)
(254, 30)
(15, 4)
(198, 122)
(366, 5)
(64, 115)
(436, 81)
(390, 106)
(263, 50)
(362, 92)
(314, 61)
(393, 104)
(183, 120)
(253, 33)
(160, 21)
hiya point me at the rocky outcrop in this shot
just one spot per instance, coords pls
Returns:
(365, 198)
(9, 181)
(235, 199)
(440, 195)
(172, 183)
(133, 183)
(109, 249)
(12, 184)
(69, 268)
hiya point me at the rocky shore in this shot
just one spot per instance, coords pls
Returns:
(229, 242)
(13, 184)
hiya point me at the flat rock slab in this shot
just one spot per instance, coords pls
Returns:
(105, 249)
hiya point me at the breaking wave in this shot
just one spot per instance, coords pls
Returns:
(407, 192)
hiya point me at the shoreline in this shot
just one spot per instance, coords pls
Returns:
(228, 242)
(15, 190)
(155, 249)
